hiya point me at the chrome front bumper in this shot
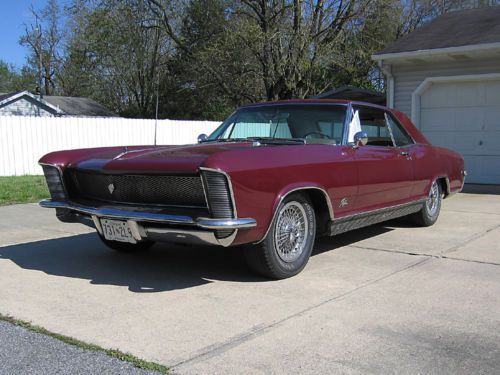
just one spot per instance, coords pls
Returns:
(152, 225)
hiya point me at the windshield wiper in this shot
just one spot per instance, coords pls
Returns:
(282, 141)
(265, 140)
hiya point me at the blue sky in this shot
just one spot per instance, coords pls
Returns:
(13, 15)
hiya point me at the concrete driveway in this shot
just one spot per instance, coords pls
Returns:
(385, 299)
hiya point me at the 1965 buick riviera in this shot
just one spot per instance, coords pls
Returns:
(272, 176)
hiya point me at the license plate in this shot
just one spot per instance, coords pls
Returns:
(115, 230)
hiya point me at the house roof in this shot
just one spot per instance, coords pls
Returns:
(11, 97)
(455, 29)
(75, 106)
(7, 95)
(61, 105)
(353, 93)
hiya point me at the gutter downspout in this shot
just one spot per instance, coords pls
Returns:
(386, 69)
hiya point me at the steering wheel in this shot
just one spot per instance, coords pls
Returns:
(322, 135)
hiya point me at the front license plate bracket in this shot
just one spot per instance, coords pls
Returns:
(117, 230)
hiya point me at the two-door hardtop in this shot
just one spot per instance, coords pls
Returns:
(273, 175)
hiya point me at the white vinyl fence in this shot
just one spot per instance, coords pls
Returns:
(23, 140)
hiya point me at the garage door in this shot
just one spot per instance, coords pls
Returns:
(465, 116)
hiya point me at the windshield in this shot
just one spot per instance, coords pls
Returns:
(309, 123)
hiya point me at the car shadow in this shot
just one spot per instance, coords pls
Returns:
(164, 267)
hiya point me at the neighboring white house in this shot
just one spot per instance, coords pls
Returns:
(446, 77)
(24, 103)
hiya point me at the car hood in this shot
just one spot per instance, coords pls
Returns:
(187, 158)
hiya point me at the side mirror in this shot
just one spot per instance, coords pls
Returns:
(202, 138)
(360, 139)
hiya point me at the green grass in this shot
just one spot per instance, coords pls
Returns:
(22, 189)
(137, 362)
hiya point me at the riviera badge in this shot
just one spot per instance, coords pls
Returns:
(111, 188)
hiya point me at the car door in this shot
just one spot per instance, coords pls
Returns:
(385, 172)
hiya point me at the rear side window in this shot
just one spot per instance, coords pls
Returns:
(401, 137)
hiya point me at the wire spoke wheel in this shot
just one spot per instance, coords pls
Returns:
(291, 230)
(433, 199)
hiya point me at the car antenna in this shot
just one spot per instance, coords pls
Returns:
(156, 111)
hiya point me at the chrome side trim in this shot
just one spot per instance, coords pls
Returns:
(328, 202)
(368, 218)
(123, 214)
(381, 209)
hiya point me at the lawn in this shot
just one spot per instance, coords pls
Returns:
(22, 189)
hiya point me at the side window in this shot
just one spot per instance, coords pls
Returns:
(401, 137)
(373, 122)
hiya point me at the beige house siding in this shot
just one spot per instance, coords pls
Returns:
(407, 77)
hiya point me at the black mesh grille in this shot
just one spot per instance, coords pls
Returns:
(137, 189)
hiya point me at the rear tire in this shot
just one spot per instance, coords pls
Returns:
(429, 213)
(125, 247)
(286, 249)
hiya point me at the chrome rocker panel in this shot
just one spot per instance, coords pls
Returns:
(143, 223)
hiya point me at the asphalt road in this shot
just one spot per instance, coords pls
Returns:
(26, 352)
(386, 299)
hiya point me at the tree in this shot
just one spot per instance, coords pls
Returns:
(285, 42)
(116, 56)
(11, 80)
(44, 37)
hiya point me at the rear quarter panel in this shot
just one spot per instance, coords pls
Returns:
(431, 162)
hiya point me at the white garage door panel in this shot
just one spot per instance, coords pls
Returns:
(465, 116)
(482, 169)
(492, 97)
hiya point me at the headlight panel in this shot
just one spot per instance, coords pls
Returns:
(54, 182)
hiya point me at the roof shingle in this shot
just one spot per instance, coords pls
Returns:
(454, 29)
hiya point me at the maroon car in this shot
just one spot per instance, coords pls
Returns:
(273, 175)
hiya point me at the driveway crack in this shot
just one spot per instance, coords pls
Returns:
(222, 347)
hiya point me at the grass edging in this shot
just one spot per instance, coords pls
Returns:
(137, 362)
(22, 189)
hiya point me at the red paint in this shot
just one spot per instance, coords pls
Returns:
(367, 178)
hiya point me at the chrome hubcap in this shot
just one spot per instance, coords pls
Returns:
(291, 230)
(433, 199)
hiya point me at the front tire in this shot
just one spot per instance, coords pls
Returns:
(125, 247)
(429, 213)
(286, 249)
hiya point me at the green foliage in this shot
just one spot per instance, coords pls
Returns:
(22, 189)
(11, 80)
(201, 58)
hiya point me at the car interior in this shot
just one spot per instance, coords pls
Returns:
(316, 126)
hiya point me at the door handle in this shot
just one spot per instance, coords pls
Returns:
(406, 154)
